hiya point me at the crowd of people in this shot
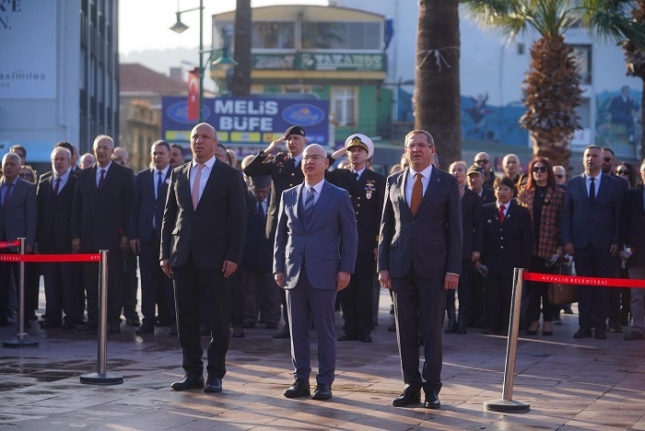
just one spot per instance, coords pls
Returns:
(284, 237)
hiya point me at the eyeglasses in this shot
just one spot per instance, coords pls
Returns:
(607, 159)
(622, 172)
(559, 176)
(539, 168)
(482, 162)
(314, 157)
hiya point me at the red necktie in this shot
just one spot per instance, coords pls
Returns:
(101, 179)
(7, 195)
(57, 186)
(501, 213)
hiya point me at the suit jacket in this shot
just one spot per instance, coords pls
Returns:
(367, 196)
(506, 245)
(19, 219)
(473, 224)
(633, 226)
(145, 207)
(597, 224)
(284, 175)
(101, 217)
(257, 255)
(214, 231)
(54, 233)
(550, 238)
(432, 239)
(328, 243)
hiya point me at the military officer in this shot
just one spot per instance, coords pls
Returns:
(366, 190)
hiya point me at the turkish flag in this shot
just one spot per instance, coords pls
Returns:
(193, 95)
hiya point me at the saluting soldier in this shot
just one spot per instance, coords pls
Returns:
(285, 173)
(366, 190)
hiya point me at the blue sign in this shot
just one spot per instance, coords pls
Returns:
(248, 120)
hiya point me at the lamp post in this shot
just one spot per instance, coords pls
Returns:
(225, 59)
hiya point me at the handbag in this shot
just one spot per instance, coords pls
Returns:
(562, 293)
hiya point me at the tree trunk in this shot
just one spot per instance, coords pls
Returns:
(437, 96)
(243, 28)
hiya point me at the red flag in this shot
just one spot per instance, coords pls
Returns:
(193, 95)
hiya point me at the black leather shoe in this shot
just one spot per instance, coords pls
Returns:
(322, 392)
(432, 400)
(87, 327)
(133, 322)
(299, 388)
(48, 324)
(146, 328)
(367, 338)
(409, 396)
(188, 382)
(173, 330)
(614, 326)
(582, 333)
(114, 328)
(282, 333)
(213, 384)
(601, 334)
(347, 337)
(69, 325)
(238, 332)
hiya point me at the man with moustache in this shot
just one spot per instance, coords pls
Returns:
(176, 156)
(202, 235)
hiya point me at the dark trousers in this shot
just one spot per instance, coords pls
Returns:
(154, 283)
(8, 272)
(615, 295)
(195, 286)
(130, 286)
(476, 300)
(539, 293)
(356, 299)
(498, 301)
(61, 292)
(32, 285)
(419, 306)
(91, 287)
(463, 293)
(261, 296)
(593, 302)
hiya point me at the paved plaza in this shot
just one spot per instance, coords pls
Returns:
(570, 384)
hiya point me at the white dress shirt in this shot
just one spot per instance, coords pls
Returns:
(410, 180)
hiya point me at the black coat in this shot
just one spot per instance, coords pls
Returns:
(633, 225)
(54, 231)
(473, 223)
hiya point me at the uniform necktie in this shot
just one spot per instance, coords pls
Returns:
(57, 187)
(260, 211)
(592, 191)
(101, 179)
(309, 203)
(501, 213)
(159, 185)
(198, 177)
(7, 195)
(417, 194)
(357, 175)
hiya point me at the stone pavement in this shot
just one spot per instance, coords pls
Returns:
(570, 384)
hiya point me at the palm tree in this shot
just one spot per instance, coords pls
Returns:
(552, 86)
(436, 97)
(635, 58)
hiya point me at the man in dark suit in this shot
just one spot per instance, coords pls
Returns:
(366, 190)
(148, 204)
(202, 234)
(285, 173)
(18, 218)
(590, 232)
(55, 198)
(419, 257)
(101, 221)
(315, 255)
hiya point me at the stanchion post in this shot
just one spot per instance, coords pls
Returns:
(506, 404)
(102, 377)
(22, 339)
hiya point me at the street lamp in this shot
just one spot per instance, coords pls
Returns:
(225, 61)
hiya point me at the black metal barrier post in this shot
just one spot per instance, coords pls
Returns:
(22, 339)
(102, 377)
(506, 404)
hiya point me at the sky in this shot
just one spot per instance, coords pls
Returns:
(145, 24)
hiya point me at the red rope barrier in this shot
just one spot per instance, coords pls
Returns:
(7, 244)
(583, 281)
(94, 257)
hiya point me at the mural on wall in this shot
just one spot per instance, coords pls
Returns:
(618, 120)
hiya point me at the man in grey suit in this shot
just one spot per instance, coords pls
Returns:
(419, 257)
(590, 233)
(314, 256)
(18, 219)
(202, 235)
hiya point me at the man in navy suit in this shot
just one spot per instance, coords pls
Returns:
(62, 283)
(148, 203)
(315, 254)
(590, 232)
(419, 258)
(202, 235)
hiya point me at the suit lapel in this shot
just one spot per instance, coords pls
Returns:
(400, 187)
(183, 181)
(298, 208)
(213, 180)
(433, 186)
(323, 199)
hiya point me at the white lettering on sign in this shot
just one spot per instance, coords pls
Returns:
(245, 124)
(246, 107)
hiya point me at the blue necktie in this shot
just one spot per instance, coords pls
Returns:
(159, 186)
(592, 191)
(309, 203)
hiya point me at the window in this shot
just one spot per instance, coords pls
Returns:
(344, 106)
(273, 35)
(341, 35)
(582, 54)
